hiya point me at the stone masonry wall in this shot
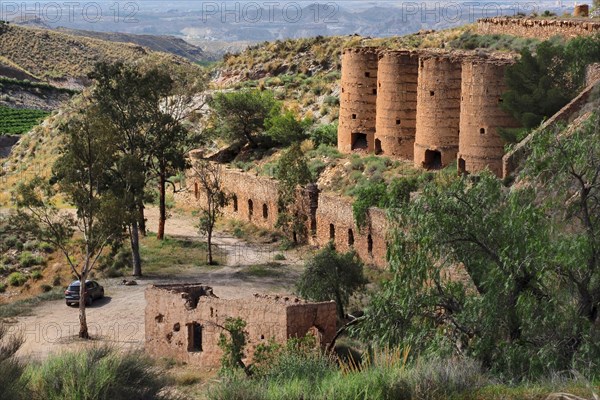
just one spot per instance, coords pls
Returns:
(537, 28)
(358, 99)
(397, 103)
(481, 117)
(438, 111)
(335, 222)
(592, 74)
(184, 322)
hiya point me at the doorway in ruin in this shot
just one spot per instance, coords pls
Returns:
(462, 166)
(250, 208)
(433, 159)
(194, 337)
(378, 146)
(359, 141)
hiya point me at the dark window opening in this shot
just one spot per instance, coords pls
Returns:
(433, 159)
(378, 146)
(262, 337)
(462, 166)
(379, 84)
(265, 211)
(194, 337)
(313, 226)
(374, 91)
(295, 236)
(359, 141)
(331, 232)
(370, 244)
(500, 100)
(235, 204)
(343, 90)
(397, 122)
(431, 93)
(250, 209)
(367, 74)
(176, 327)
(196, 191)
(353, 116)
(350, 237)
(482, 131)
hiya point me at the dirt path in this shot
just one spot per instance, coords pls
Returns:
(119, 318)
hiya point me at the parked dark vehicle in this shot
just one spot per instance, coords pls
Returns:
(93, 291)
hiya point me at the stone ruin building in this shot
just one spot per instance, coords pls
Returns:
(184, 321)
(426, 106)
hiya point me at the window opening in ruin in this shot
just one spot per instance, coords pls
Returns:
(262, 337)
(367, 74)
(397, 122)
(353, 116)
(194, 337)
(235, 205)
(379, 84)
(378, 146)
(482, 131)
(196, 191)
(431, 92)
(374, 91)
(343, 90)
(500, 100)
(331, 232)
(433, 159)
(265, 211)
(359, 141)
(313, 225)
(250, 208)
(176, 327)
(350, 237)
(462, 166)
(370, 244)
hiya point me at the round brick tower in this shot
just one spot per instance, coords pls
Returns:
(438, 111)
(358, 96)
(396, 103)
(481, 116)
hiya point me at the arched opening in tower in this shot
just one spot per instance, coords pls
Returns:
(433, 159)
(359, 141)
(250, 208)
(350, 237)
(378, 146)
(462, 166)
(331, 232)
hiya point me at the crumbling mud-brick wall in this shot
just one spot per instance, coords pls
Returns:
(438, 110)
(481, 116)
(592, 74)
(335, 222)
(396, 103)
(356, 127)
(537, 28)
(185, 321)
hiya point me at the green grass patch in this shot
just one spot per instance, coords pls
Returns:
(14, 121)
(268, 270)
(25, 307)
(174, 255)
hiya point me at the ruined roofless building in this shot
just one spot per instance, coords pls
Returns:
(427, 107)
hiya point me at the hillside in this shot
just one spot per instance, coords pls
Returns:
(63, 59)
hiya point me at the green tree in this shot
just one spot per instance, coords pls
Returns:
(332, 276)
(83, 174)
(285, 128)
(292, 173)
(233, 346)
(325, 134)
(209, 177)
(241, 115)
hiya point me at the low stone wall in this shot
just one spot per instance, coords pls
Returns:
(592, 74)
(513, 160)
(335, 222)
(185, 321)
(537, 28)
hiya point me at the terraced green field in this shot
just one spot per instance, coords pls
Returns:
(18, 121)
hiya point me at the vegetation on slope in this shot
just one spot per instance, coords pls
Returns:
(17, 121)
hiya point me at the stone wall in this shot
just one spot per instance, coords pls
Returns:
(396, 103)
(358, 99)
(537, 28)
(184, 322)
(481, 116)
(438, 111)
(335, 222)
(592, 74)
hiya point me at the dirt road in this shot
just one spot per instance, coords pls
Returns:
(119, 317)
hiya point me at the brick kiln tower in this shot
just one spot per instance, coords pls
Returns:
(438, 111)
(396, 103)
(481, 116)
(358, 99)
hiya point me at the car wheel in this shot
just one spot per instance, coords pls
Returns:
(101, 294)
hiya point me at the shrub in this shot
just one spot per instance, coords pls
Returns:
(36, 275)
(46, 247)
(16, 279)
(324, 134)
(2, 287)
(56, 281)
(279, 257)
(26, 260)
(30, 245)
(46, 288)
(113, 376)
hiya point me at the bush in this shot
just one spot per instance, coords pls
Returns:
(16, 279)
(36, 275)
(2, 287)
(46, 288)
(279, 257)
(56, 281)
(46, 247)
(96, 373)
(324, 134)
(26, 260)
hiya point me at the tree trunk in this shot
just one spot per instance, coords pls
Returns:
(83, 328)
(162, 208)
(135, 249)
(142, 219)
(339, 306)
(209, 239)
